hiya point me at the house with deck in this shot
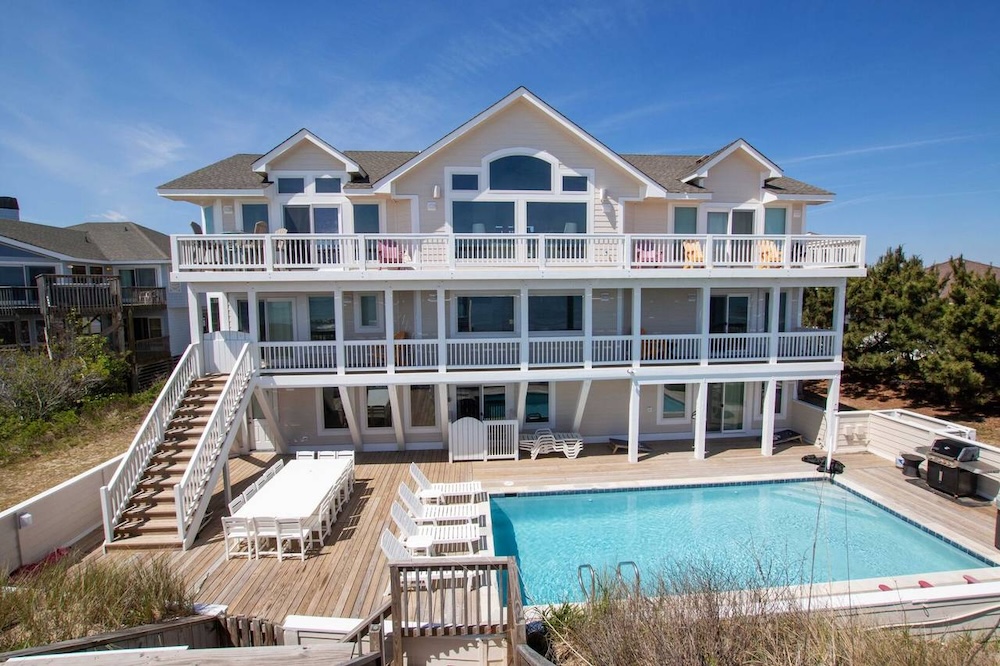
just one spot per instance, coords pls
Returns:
(113, 277)
(518, 271)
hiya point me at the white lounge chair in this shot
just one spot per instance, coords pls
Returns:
(543, 442)
(428, 537)
(438, 492)
(395, 551)
(423, 514)
(569, 443)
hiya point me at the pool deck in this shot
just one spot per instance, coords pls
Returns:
(349, 577)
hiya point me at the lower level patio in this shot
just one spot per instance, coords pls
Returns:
(349, 577)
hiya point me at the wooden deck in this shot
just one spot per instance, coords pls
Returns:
(349, 576)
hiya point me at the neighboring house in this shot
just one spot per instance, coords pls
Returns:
(944, 272)
(517, 269)
(114, 275)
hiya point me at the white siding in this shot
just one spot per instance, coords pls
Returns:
(307, 156)
(648, 217)
(736, 179)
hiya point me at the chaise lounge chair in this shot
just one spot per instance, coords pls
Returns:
(439, 492)
(395, 551)
(423, 514)
(429, 537)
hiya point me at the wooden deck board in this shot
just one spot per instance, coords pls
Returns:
(349, 577)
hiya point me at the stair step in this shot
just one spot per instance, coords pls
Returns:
(145, 542)
(175, 454)
(142, 512)
(148, 526)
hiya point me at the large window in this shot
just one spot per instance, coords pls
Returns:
(536, 403)
(367, 313)
(252, 214)
(482, 217)
(333, 409)
(557, 217)
(327, 185)
(732, 222)
(485, 314)
(322, 318)
(326, 220)
(379, 408)
(297, 219)
(685, 220)
(774, 221)
(366, 218)
(422, 412)
(520, 172)
(145, 328)
(137, 277)
(778, 404)
(315, 219)
(673, 405)
(291, 185)
(555, 313)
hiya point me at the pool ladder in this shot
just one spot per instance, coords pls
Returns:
(593, 577)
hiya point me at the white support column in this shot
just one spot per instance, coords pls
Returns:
(253, 314)
(633, 421)
(706, 302)
(700, 420)
(636, 328)
(397, 416)
(832, 403)
(525, 342)
(839, 305)
(194, 315)
(390, 334)
(226, 485)
(442, 407)
(774, 309)
(351, 416)
(767, 427)
(581, 405)
(588, 328)
(522, 396)
(338, 329)
(442, 331)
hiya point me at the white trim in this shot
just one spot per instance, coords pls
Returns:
(379, 325)
(212, 194)
(453, 318)
(774, 171)
(653, 189)
(408, 408)
(551, 420)
(688, 405)
(321, 428)
(379, 430)
(262, 163)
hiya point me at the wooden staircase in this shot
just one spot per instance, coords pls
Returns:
(150, 520)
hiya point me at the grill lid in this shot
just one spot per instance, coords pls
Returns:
(960, 451)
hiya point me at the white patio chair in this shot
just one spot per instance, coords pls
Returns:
(439, 492)
(424, 514)
(428, 537)
(249, 492)
(270, 472)
(237, 531)
(265, 531)
(305, 455)
(260, 483)
(326, 455)
(344, 454)
(236, 504)
(291, 530)
(278, 466)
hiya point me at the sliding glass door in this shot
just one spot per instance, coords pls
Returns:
(725, 407)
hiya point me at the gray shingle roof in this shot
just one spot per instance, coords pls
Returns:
(376, 164)
(667, 170)
(92, 241)
(785, 185)
(232, 173)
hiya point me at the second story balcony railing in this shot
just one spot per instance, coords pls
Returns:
(85, 294)
(448, 252)
(139, 296)
(18, 298)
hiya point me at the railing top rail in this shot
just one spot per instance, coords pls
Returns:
(500, 236)
(451, 562)
(380, 613)
(154, 410)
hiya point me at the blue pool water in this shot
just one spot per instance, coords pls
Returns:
(796, 532)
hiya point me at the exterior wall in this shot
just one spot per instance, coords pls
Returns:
(648, 217)
(307, 156)
(518, 126)
(807, 419)
(398, 219)
(736, 179)
(667, 311)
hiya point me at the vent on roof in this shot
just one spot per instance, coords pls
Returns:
(9, 210)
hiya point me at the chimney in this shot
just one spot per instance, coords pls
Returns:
(9, 210)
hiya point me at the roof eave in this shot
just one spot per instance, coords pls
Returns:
(181, 194)
(261, 165)
(774, 171)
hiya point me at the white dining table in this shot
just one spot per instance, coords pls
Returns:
(297, 490)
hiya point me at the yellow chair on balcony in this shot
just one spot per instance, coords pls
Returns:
(768, 254)
(694, 256)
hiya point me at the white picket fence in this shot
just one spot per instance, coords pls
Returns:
(472, 439)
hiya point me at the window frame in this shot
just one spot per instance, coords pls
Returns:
(484, 334)
(780, 401)
(673, 220)
(278, 182)
(550, 420)
(379, 325)
(241, 223)
(409, 409)
(688, 406)
(312, 216)
(321, 428)
(556, 332)
(729, 210)
(365, 423)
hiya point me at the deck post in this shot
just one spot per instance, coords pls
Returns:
(706, 299)
(226, 485)
(773, 323)
(588, 329)
(442, 407)
(253, 314)
(636, 327)
(767, 429)
(390, 332)
(194, 317)
(700, 420)
(349, 414)
(839, 297)
(338, 331)
(525, 351)
(832, 402)
(633, 421)
(442, 329)
(581, 404)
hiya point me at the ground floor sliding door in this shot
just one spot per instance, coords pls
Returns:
(725, 407)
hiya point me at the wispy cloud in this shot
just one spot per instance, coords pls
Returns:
(147, 147)
(112, 216)
(881, 149)
(901, 197)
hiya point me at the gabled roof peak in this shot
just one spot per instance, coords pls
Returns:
(262, 164)
(706, 162)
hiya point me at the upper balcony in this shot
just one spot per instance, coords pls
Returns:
(436, 256)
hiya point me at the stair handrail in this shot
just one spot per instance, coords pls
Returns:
(116, 494)
(188, 493)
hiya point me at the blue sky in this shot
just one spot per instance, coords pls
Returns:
(894, 106)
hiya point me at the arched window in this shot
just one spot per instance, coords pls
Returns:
(520, 172)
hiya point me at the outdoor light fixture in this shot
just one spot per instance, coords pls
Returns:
(436, 192)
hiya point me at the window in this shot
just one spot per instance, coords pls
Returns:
(208, 217)
(137, 277)
(367, 315)
(366, 218)
(674, 402)
(774, 221)
(782, 311)
(777, 399)
(685, 220)
(145, 328)
(333, 409)
(555, 313)
(465, 182)
(327, 186)
(322, 319)
(742, 222)
(12, 276)
(422, 412)
(379, 409)
(485, 314)
(326, 220)
(482, 217)
(574, 183)
(7, 251)
(297, 219)
(252, 214)
(557, 218)
(536, 403)
(291, 185)
(520, 172)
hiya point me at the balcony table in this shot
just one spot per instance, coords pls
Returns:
(297, 490)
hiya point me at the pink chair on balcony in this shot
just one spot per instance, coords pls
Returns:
(389, 253)
(647, 254)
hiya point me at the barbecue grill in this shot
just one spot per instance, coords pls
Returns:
(951, 467)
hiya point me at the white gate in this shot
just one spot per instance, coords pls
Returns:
(472, 439)
(220, 348)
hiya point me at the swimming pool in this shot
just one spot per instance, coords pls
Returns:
(737, 528)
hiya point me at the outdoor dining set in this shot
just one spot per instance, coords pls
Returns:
(291, 508)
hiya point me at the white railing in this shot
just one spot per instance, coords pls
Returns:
(416, 354)
(364, 355)
(611, 350)
(658, 349)
(806, 345)
(738, 346)
(116, 495)
(484, 353)
(501, 439)
(270, 252)
(297, 356)
(555, 351)
(191, 495)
